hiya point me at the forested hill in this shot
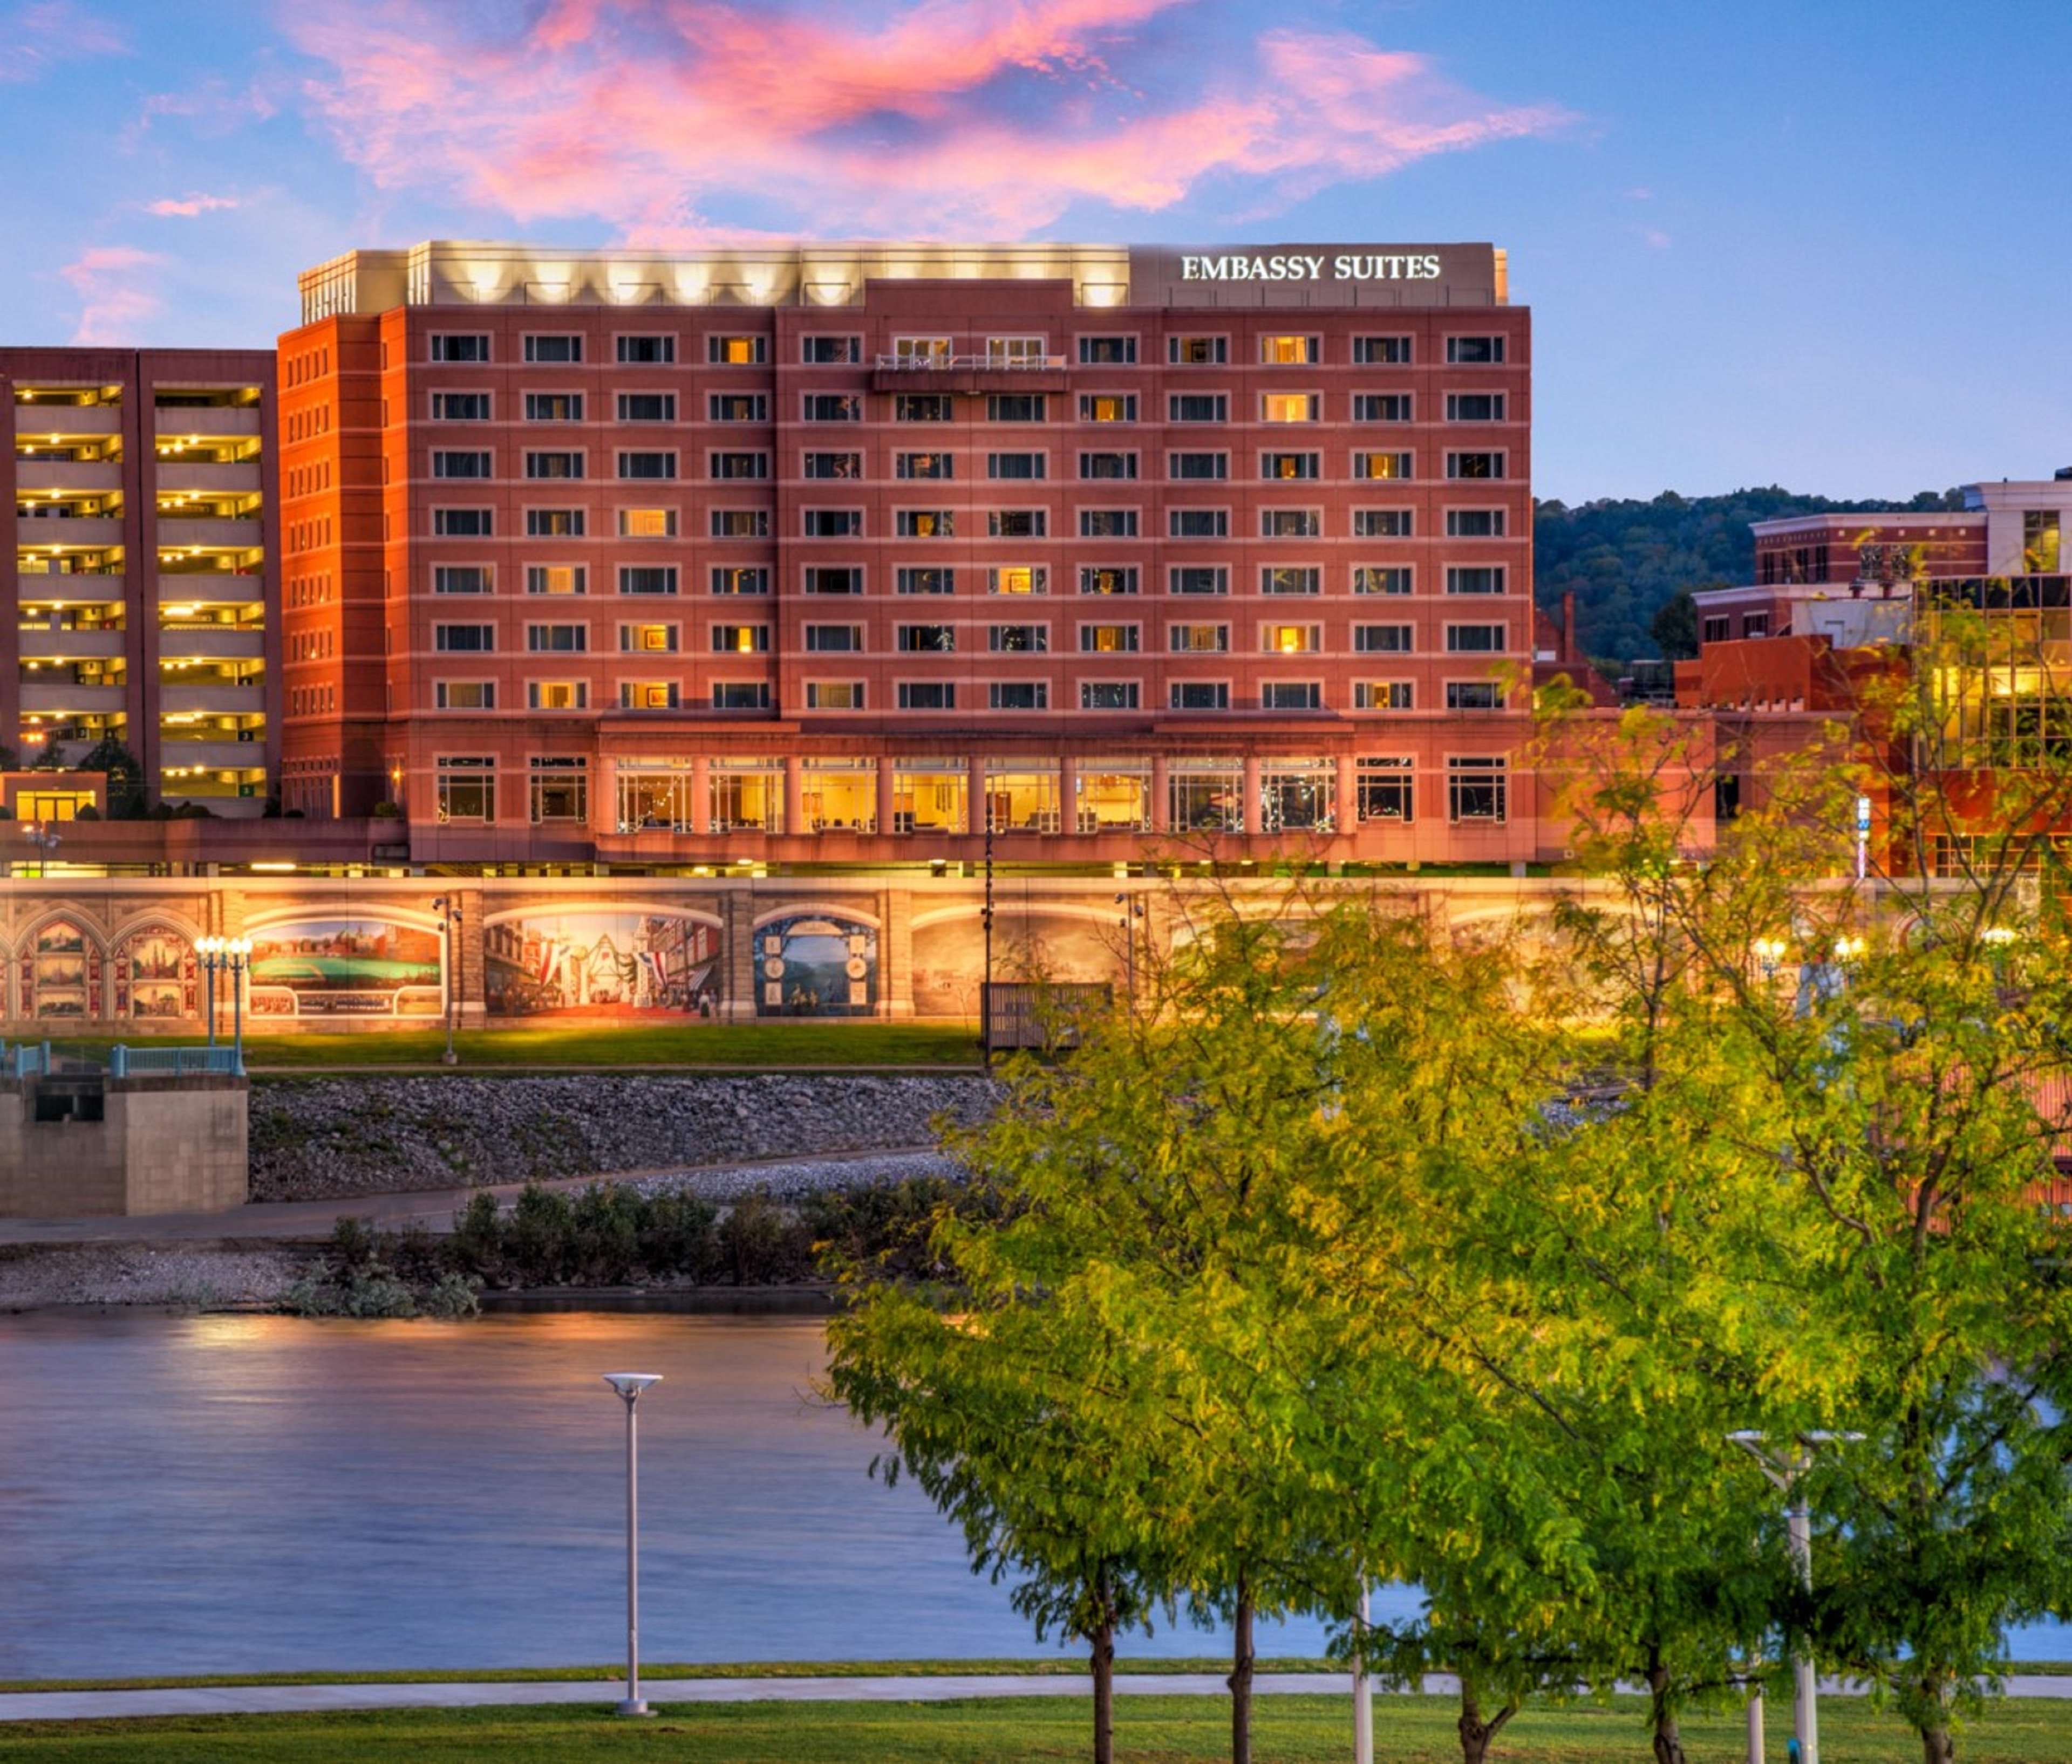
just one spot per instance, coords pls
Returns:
(1623, 561)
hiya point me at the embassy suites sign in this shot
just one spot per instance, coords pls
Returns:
(1306, 266)
(1311, 275)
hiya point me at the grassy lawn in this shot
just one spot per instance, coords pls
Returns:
(732, 1045)
(1148, 1730)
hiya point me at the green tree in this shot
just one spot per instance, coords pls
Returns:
(1674, 625)
(128, 798)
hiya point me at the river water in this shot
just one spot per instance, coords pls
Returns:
(262, 1494)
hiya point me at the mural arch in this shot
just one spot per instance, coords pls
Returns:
(340, 962)
(59, 969)
(157, 974)
(816, 962)
(1071, 944)
(611, 959)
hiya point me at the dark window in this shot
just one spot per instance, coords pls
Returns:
(647, 407)
(1479, 579)
(1199, 579)
(740, 465)
(648, 578)
(844, 579)
(832, 408)
(467, 347)
(648, 349)
(927, 696)
(927, 581)
(1381, 351)
(818, 350)
(554, 464)
(1474, 407)
(553, 348)
(554, 407)
(1464, 350)
(463, 523)
(924, 408)
(1014, 407)
(926, 465)
(1099, 352)
(1108, 523)
(833, 464)
(927, 637)
(1381, 407)
(1197, 523)
(742, 578)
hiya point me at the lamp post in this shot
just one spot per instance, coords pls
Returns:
(986, 918)
(1784, 1473)
(237, 953)
(209, 949)
(629, 1385)
(1769, 954)
(1132, 910)
(46, 842)
(1362, 1691)
(449, 912)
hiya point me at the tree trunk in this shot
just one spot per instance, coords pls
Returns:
(1668, 1741)
(1939, 1745)
(1103, 1663)
(1241, 1678)
(1477, 1735)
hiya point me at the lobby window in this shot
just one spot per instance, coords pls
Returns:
(465, 345)
(1014, 407)
(1387, 465)
(1472, 351)
(745, 406)
(1384, 696)
(930, 795)
(1107, 578)
(556, 579)
(558, 639)
(1018, 523)
(915, 581)
(1381, 351)
(925, 522)
(740, 639)
(1473, 696)
(1290, 578)
(843, 579)
(461, 578)
(460, 407)
(1474, 464)
(825, 464)
(1383, 523)
(1291, 523)
(1107, 465)
(556, 523)
(1718, 627)
(740, 522)
(734, 351)
(557, 695)
(1287, 351)
(944, 466)
(942, 637)
(1474, 639)
(1018, 579)
(647, 349)
(737, 579)
(1382, 639)
(1197, 351)
(1108, 523)
(1291, 639)
(448, 462)
(1198, 579)
(1018, 695)
(647, 523)
(560, 789)
(1107, 351)
(1018, 466)
(1110, 695)
(647, 695)
(1197, 639)
(647, 578)
(1474, 407)
(1197, 523)
(924, 408)
(554, 348)
(647, 407)
(463, 523)
(1291, 696)
(1289, 465)
(820, 351)
(835, 695)
(927, 696)
(746, 795)
(653, 465)
(922, 351)
(554, 407)
(1476, 579)
(1290, 407)
(1115, 796)
(1476, 789)
(1381, 408)
(1382, 579)
(464, 695)
(723, 466)
(1205, 796)
(556, 465)
(829, 408)
(2042, 536)
(467, 788)
(1198, 407)
(741, 695)
(1297, 796)
(1184, 466)
(1475, 524)
(839, 795)
(831, 522)
(1110, 639)
(473, 638)
(834, 639)
(1386, 790)
(647, 639)
(1108, 407)
(1018, 639)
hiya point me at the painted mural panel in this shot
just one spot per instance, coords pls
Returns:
(949, 956)
(816, 965)
(157, 977)
(602, 962)
(357, 965)
(60, 971)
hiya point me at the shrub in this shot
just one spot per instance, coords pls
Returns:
(758, 1245)
(476, 1246)
(607, 1233)
(680, 1237)
(539, 1236)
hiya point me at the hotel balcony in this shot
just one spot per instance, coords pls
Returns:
(219, 533)
(207, 477)
(59, 699)
(78, 477)
(968, 374)
(209, 700)
(40, 643)
(94, 532)
(192, 422)
(210, 588)
(66, 422)
(216, 755)
(209, 643)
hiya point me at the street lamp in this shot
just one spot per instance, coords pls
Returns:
(45, 841)
(1132, 910)
(629, 1385)
(209, 949)
(237, 952)
(449, 912)
(1784, 1473)
(1769, 954)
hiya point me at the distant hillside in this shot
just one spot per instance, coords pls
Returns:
(1624, 560)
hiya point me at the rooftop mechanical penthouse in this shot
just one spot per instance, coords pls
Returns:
(842, 553)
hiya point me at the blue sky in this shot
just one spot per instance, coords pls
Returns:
(1821, 244)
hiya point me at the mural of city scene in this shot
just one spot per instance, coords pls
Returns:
(61, 973)
(155, 977)
(360, 965)
(949, 955)
(816, 965)
(601, 962)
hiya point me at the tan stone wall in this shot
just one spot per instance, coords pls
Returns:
(161, 1146)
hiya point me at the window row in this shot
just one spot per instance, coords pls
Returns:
(751, 349)
(1093, 467)
(845, 579)
(1212, 523)
(570, 407)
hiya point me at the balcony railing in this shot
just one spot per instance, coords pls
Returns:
(932, 364)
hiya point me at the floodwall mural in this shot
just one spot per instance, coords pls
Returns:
(949, 956)
(358, 965)
(816, 965)
(601, 962)
(157, 976)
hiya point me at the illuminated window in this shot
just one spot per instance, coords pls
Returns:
(1387, 789)
(1107, 578)
(1381, 696)
(741, 639)
(2041, 536)
(921, 465)
(1289, 406)
(922, 351)
(648, 637)
(647, 523)
(647, 695)
(1291, 639)
(834, 695)
(734, 351)
(1017, 579)
(557, 696)
(926, 524)
(1197, 639)
(1279, 351)
(1108, 639)
(467, 788)
(1015, 352)
(1094, 407)
(1381, 466)
(1286, 465)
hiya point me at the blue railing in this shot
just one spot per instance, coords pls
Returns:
(126, 1062)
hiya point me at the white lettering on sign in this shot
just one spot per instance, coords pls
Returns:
(1297, 266)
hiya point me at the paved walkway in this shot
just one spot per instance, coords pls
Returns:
(297, 1699)
(433, 1209)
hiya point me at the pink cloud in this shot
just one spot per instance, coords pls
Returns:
(114, 300)
(933, 118)
(188, 207)
(34, 38)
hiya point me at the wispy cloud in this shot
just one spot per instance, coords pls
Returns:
(930, 118)
(114, 284)
(34, 39)
(187, 206)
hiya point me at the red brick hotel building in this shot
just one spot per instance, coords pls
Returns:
(831, 554)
